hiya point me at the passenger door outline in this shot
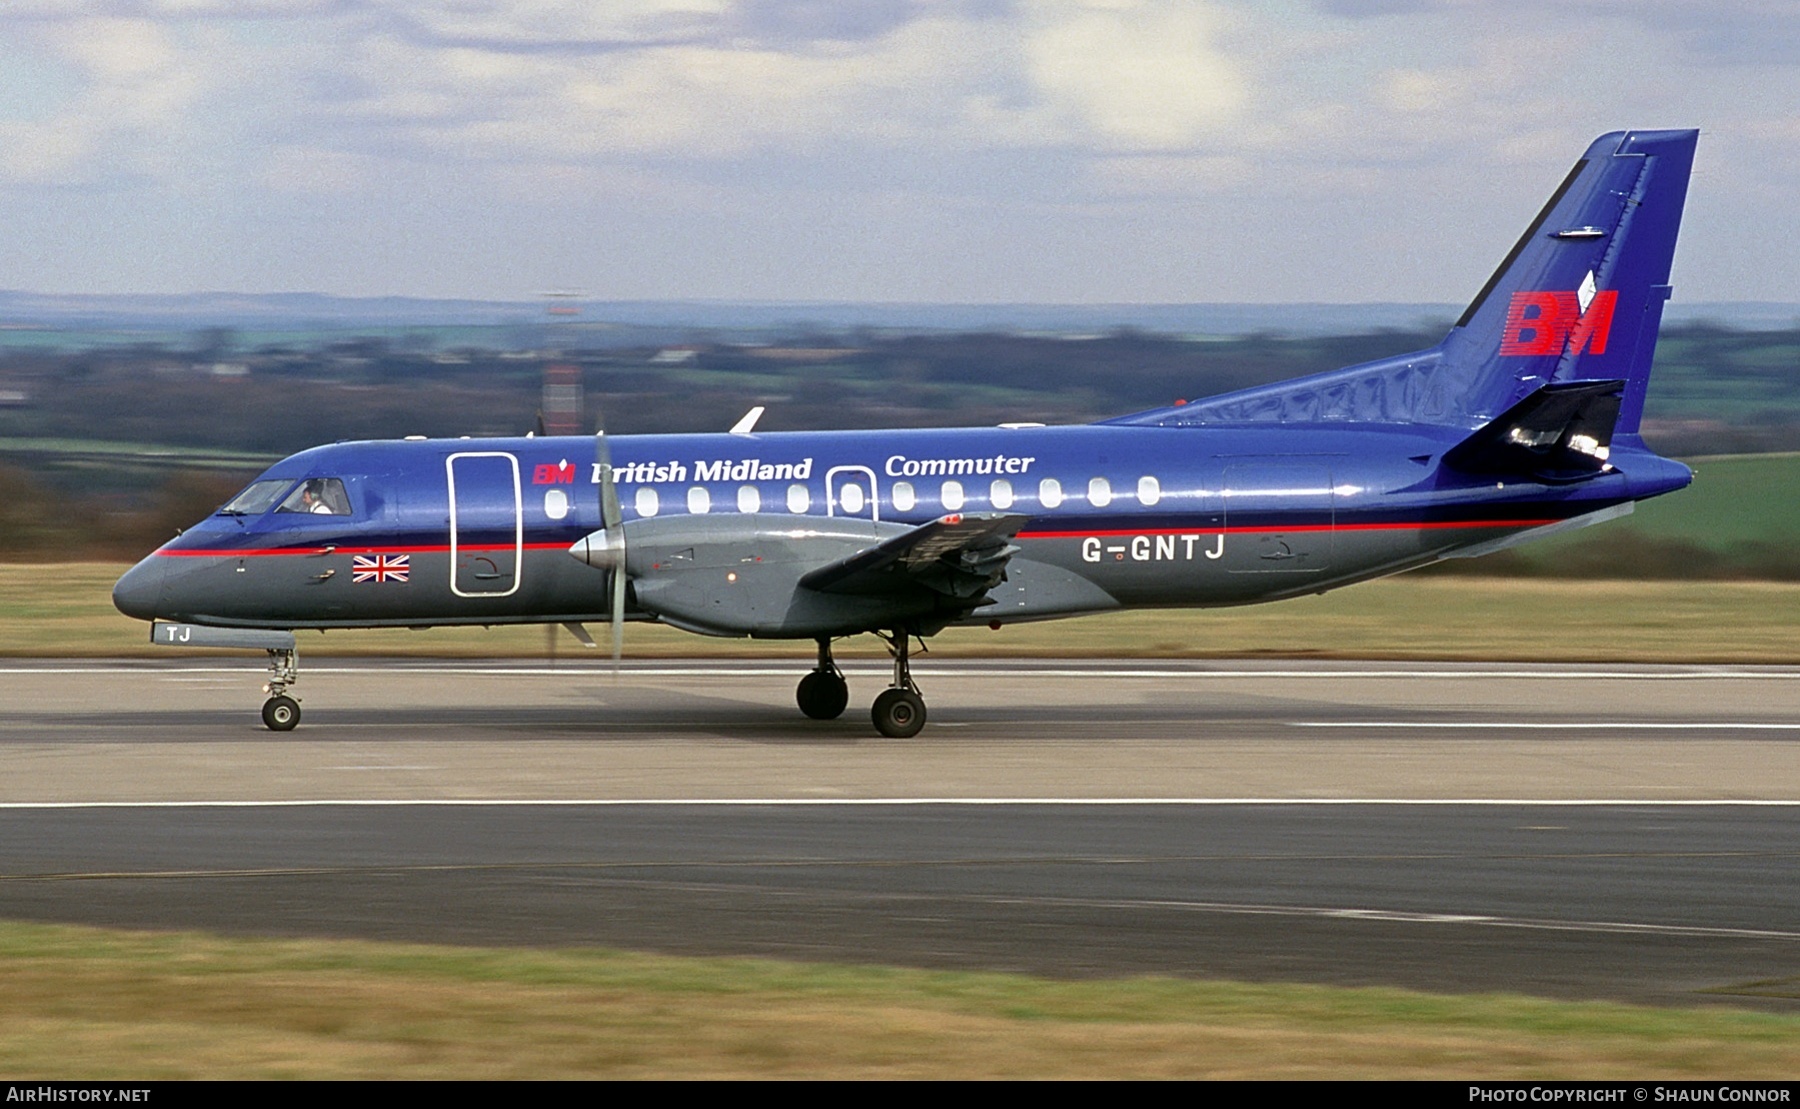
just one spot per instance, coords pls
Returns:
(864, 479)
(458, 577)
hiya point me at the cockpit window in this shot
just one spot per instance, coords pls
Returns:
(323, 496)
(258, 498)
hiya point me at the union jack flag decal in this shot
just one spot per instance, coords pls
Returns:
(379, 567)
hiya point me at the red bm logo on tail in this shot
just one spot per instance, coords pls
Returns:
(1543, 323)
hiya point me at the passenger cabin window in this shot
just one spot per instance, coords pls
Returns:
(798, 500)
(1050, 493)
(1099, 492)
(952, 495)
(1000, 493)
(904, 497)
(1149, 490)
(749, 498)
(699, 501)
(319, 496)
(646, 501)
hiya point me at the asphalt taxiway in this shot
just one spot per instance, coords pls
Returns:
(1595, 831)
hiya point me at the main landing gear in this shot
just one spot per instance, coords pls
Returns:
(280, 712)
(899, 711)
(823, 693)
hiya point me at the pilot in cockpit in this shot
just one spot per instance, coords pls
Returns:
(323, 496)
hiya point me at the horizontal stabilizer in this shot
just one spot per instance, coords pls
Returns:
(962, 555)
(1562, 432)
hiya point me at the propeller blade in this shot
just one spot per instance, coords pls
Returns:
(610, 516)
(612, 519)
(618, 615)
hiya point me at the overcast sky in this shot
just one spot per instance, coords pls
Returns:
(895, 150)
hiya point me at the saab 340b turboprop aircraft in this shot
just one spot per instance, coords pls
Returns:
(1523, 421)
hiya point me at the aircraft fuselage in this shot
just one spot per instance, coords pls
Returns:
(478, 531)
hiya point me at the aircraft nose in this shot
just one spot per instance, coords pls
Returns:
(139, 591)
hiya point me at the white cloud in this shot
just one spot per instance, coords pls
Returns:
(1164, 176)
(560, 81)
(1138, 74)
(1143, 75)
(127, 90)
(303, 169)
(534, 22)
(998, 118)
(32, 153)
(695, 100)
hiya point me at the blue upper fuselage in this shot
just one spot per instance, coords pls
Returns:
(1082, 479)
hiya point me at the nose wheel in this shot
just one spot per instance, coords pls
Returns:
(280, 713)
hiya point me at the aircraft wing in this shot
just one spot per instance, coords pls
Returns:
(960, 555)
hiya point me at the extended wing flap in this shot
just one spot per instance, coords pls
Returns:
(961, 555)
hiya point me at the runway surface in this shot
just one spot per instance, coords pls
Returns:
(1628, 833)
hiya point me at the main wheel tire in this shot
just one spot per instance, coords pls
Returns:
(823, 695)
(899, 713)
(280, 714)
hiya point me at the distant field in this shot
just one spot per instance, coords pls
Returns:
(81, 1003)
(158, 454)
(1735, 501)
(1739, 520)
(66, 610)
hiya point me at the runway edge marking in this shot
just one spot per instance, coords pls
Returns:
(1554, 725)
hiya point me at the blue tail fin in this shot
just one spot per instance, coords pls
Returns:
(1579, 298)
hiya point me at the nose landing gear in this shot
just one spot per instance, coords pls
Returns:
(280, 712)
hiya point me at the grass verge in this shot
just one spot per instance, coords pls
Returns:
(92, 1004)
(66, 611)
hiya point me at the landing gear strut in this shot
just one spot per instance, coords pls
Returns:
(280, 712)
(900, 712)
(823, 693)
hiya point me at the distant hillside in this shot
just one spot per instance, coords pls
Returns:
(130, 434)
(650, 321)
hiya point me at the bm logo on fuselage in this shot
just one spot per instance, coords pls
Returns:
(1558, 323)
(554, 473)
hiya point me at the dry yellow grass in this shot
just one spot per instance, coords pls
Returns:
(84, 1003)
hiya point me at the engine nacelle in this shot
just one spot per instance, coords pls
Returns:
(739, 574)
